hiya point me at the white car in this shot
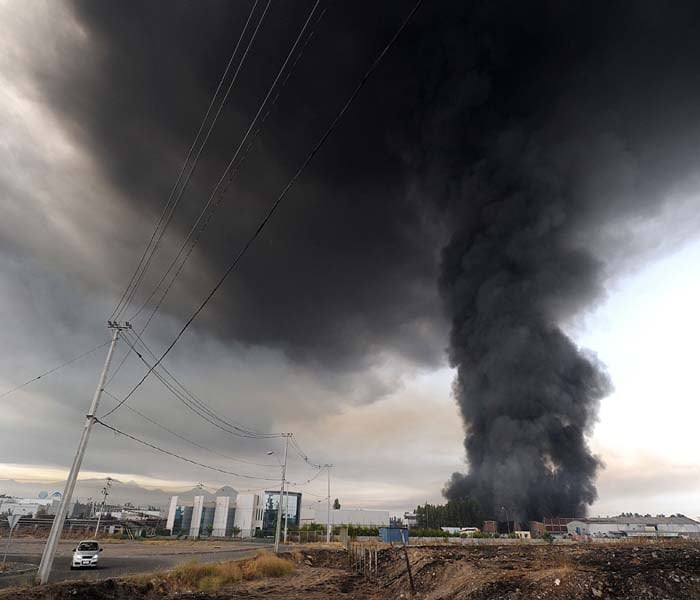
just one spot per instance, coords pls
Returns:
(86, 554)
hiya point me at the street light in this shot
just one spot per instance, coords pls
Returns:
(286, 500)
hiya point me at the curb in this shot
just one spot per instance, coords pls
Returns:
(21, 571)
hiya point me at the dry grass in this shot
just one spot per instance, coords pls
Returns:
(209, 577)
(205, 577)
(267, 565)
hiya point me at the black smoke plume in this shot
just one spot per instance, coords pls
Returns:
(584, 124)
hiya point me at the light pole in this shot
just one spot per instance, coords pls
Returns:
(279, 499)
(328, 508)
(286, 514)
(57, 525)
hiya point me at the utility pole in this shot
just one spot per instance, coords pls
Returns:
(505, 510)
(105, 493)
(286, 514)
(57, 526)
(328, 509)
(279, 502)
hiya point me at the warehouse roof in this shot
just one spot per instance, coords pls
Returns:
(676, 520)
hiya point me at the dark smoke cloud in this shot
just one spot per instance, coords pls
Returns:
(346, 271)
(586, 122)
(530, 134)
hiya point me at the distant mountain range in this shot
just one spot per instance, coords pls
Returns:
(121, 492)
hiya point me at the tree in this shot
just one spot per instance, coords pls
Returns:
(336, 504)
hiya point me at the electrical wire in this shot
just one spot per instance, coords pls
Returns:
(152, 242)
(50, 371)
(307, 482)
(273, 208)
(297, 448)
(178, 456)
(198, 407)
(322, 498)
(217, 187)
(242, 429)
(211, 127)
(182, 437)
(215, 206)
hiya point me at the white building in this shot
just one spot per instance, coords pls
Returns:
(249, 513)
(130, 514)
(256, 512)
(221, 516)
(201, 518)
(353, 516)
(410, 519)
(612, 527)
(28, 506)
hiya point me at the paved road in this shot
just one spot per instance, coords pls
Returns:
(128, 559)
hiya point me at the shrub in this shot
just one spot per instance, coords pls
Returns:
(211, 577)
(267, 565)
(206, 577)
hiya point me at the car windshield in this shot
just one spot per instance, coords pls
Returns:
(88, 547)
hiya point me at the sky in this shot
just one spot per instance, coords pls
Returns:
(340, 323)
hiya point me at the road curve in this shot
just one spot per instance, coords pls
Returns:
(115, 563)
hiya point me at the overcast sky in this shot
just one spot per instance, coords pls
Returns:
(333, 326)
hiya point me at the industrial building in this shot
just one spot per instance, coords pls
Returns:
(256, 512)
(29, 506)
(357, 517)
(353, 516)
(557, 526)
(410, 519)
(637, 526)
(200, 518)
(249, 514)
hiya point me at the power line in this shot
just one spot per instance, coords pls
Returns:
(203, 405)
(215, 206)
(297, 448)
(197, 406)
(182, 437)
(211, 127)
(253, 434)
(308, 481)
(153, 243)
(178, 456)
(65, 364)
(217, 187)
(316, 496)
(279, 198)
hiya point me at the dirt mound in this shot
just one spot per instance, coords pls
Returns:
(527, 571)
(109, 589)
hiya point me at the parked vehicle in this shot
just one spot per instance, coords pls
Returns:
(86, 554)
